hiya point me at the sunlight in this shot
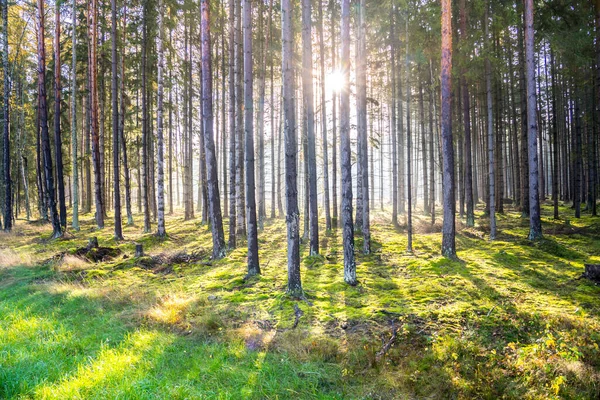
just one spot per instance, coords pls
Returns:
(335, 81)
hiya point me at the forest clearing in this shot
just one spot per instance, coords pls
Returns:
(510, 319)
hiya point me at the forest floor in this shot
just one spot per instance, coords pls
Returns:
(511, 319)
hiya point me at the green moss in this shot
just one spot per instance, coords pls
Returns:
(508, 319)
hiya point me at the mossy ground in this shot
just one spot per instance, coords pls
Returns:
(509, 320)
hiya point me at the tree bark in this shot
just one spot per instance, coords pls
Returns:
(232, 128)
(214, 199)
(448, 228)
(253, 265)
(309, 115)
(535, 224)
(115, 124)
(324, 118)
(347, 225)
(8, 215)
(161, 230)
(45, 136)
(294, 286)
(361, 112)
(60, 180)
(490, 134)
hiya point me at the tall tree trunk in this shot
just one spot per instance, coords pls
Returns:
(214, 199)
(577, 154)
(145, 133)
(93, 71)
(324, 118)
(425, 170)
(448, 228)
(253, 266)
(393, 120)
(347, 225)
(60, 180)
(467, 124)
(334, 160)
(161, 230)
(535, 224)
(555, 175)
(490, 133)
(361, 112)
(431, 146)
(408, 151)
(524, 157)
(309, 115)
(75, 222)
(294, 286)
(115, 123)
(232, 127)
(6, 131)
(239, 125)
(45, 136)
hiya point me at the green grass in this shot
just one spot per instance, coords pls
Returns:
(509, 320)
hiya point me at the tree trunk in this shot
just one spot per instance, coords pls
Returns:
(214, 199)
(490, 134)
(535, 224)
(467, 124)
(324, 118)
(253, 265)
(74, 156)
(361, 112)
(6, 131)
(408, 151)
(60, 180)
(239, 125)
(145, 133)
(45, 136)
(294, 286)
(309, 115)
(115, 124)
(232, 127)
(161, 230)
(347, 225)
(393, 121)
(334, 160)
(448, 228)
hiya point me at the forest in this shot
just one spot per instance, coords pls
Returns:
(273, 199)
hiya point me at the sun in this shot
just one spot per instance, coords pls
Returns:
(335, 81)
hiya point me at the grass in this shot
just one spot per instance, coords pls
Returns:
(509, 320)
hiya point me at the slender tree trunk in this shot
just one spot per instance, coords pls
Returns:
(60, 181)
(253, 266)
(490, 134)
(170, 159)
(448, 228)
(161, 230)
(361, 104)
(324, 118)
(145, 133)
(6, 111)
(45, 136)
(214, 199)
(408, 151)
(309, 115)
(555, 176)
(535, 224)
(294, 286)
(115, 123)
(431, 146)
(578, 158)
(334, 160)
(239, 125)
(524, 158)
(467, 125)
(74, 156)
(126, 170)
(348, 226)
(232, 127)
(393, 121)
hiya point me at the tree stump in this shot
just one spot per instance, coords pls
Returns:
(592, 272)
(92, 243)
(139, 250)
